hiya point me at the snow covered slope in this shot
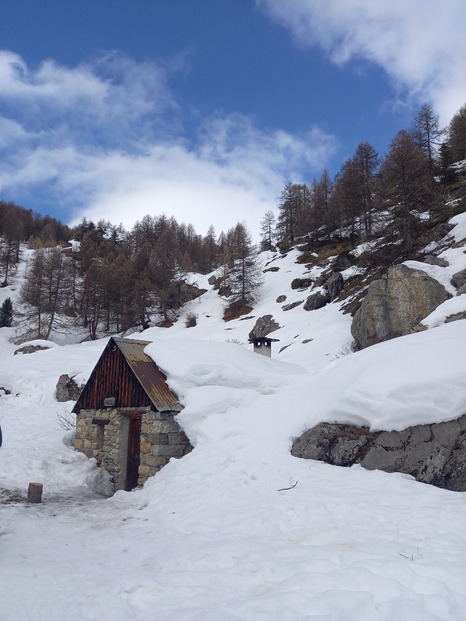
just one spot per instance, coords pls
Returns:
(238, 530)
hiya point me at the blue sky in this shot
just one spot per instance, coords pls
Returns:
(204, 109)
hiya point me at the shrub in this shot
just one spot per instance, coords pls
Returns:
(191, 320)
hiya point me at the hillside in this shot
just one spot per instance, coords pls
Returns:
(239, 529)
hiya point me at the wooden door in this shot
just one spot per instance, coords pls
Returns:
(134, 448)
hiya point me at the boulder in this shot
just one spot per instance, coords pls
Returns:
(67, 389)
(395, 304)
(288, 307)
(281, 298)
(431, 259)
(334, 285)
(431, 453)
(343, 262)
(301, 283)
(212, 280)
(316, 300)
(263, 326)
(458, 280)
(30, 349)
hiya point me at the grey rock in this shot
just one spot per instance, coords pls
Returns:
(343, 262)
(281, 298)
(301, 283)
(395, 304)
(334, 285)
(212, 280)
(431, 259)
(30, 349)
(288, 307)
(456, 317)
(263, 326)
(432, 454)
(458, 280)
(225, 291)
(67, 389)
(316, 300)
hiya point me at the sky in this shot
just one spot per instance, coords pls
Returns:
(204, 109)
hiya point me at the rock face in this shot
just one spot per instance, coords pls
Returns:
(67, 389)
(395, 304)
(432, 454)
(263, 326)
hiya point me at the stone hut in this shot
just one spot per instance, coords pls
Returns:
(126, 415)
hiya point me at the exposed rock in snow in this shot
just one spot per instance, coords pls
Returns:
(431, 453)
(395, 304)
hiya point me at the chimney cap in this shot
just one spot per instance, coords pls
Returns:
(258, 340)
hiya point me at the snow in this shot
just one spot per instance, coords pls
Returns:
(239, 530)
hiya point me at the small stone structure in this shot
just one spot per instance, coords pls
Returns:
(263, 345)
(126, 416)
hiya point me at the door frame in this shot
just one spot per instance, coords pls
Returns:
(133, 449)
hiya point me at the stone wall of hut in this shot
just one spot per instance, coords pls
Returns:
(103, 435)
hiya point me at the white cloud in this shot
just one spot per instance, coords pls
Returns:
(112, 147)
(419, 43)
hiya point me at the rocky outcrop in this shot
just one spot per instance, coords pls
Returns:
(263, 326)
(67, 389)
(434, 454)
(395, 304)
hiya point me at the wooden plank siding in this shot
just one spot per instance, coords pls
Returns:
(112, 377)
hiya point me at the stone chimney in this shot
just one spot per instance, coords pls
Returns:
(263, 345)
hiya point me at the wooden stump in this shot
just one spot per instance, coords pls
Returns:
(35, 492)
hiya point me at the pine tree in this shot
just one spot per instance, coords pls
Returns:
(6, 314)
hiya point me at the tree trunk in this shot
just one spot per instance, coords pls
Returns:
(35, 492)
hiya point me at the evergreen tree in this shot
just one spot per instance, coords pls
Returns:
(6, 314)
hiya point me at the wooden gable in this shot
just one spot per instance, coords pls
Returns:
(126, 374)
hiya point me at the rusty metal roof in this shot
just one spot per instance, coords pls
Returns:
(148, 374)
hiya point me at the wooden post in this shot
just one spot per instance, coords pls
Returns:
(35, 492)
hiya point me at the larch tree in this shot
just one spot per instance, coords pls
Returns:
(267, 230)
(405, 187)
(457, 135)
(427, 133)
